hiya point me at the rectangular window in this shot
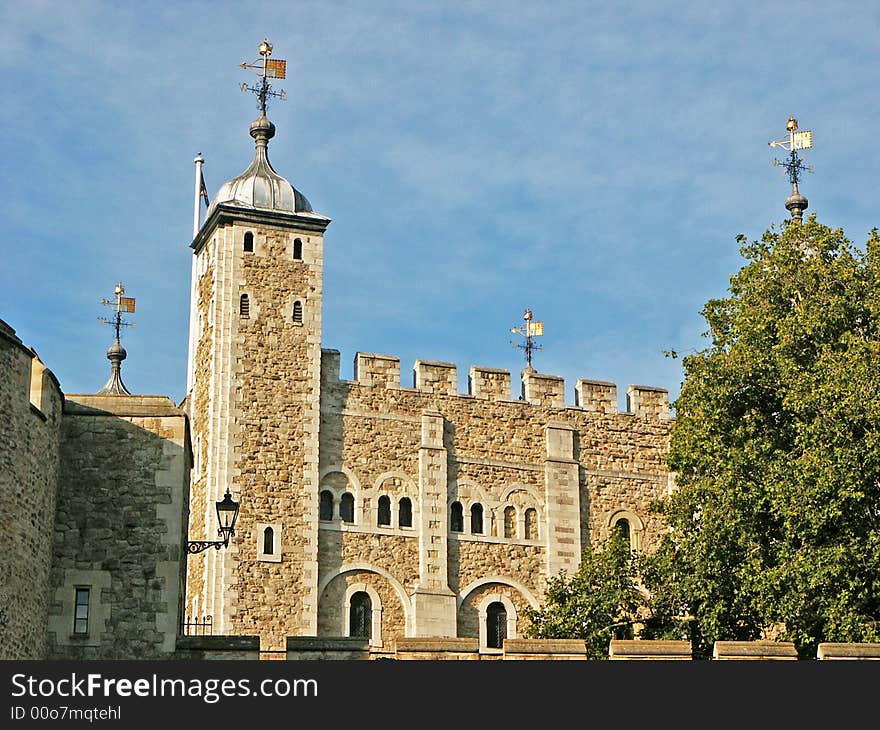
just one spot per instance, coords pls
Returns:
(81, 611)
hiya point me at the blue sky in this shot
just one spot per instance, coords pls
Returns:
(592, 161)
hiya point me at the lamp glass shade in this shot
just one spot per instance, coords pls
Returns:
(227, 513)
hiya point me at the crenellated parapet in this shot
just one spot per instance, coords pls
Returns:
(647, 401)
(494, 384)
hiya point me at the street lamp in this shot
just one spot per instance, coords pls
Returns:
(227, 513)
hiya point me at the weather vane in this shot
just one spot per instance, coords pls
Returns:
(793, 165)
(529, 330)
(274, 68)
(116, 354)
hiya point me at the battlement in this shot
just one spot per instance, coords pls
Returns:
(494, 384)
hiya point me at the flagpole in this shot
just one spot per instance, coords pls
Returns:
(199, 160)
(190, 359)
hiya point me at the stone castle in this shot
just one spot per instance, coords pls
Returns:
(370, 509)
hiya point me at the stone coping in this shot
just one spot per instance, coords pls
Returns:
(457, 644)
(754, 650)
(545, 646)
(327, 643)
(830, 650)
(82, 404)
(218, 643)
(649, 649)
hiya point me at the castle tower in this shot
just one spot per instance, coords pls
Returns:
(254, 402)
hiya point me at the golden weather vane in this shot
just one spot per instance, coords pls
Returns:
(528, 330)
(793, 165)
(116, 354)
(267, 68)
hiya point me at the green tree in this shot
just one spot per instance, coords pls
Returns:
(598, 603)
(775, 522)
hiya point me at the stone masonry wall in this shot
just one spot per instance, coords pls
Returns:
(120, 527)
(497, 456)
(30, 404)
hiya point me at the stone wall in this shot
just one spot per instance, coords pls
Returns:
(593, 464)
(30, 422)
(120, 527)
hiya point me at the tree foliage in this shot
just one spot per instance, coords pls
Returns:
(598, 603)
(775, 522)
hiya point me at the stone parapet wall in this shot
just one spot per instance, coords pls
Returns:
(228, 648)
(120, 527)
(30, 425)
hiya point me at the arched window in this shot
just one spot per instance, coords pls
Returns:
(622, 529)
(477, 519)
(346, 507)
(496, 625)
(456, 517)
(269, 541)
(531, 523)
(326, 508)
(298, 312)
(404, 512)
(360, 618)
(248, 242)
(297, 248)
(384, 511)
(509, 521)
(244, 306)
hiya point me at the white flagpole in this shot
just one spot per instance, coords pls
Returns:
(190, 360)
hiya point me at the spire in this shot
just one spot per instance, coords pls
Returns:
(794, 203)
(116, 354)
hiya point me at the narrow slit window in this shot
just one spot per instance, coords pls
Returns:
(404, 512)
(269, 541)
(297, 312)
(477, 519)
(298, 249)
(326, 506)
(456, 517)
(346, 507)
(244, 306)
(384, 510)
(248, 242)
(81, 611)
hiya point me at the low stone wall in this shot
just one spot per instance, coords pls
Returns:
(555, 649)
(848, 651)
(321, 647)
(634, 649)
(764, 650)
(217, 647)
(436, 649)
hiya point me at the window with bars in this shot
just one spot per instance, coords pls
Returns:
(81, 611)
(456, 517)
(384, 510)
(297, 312)
(404, 512)
(244, 306)
(360, 616)
(496, 625)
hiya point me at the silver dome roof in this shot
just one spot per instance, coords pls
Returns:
(260, 187)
